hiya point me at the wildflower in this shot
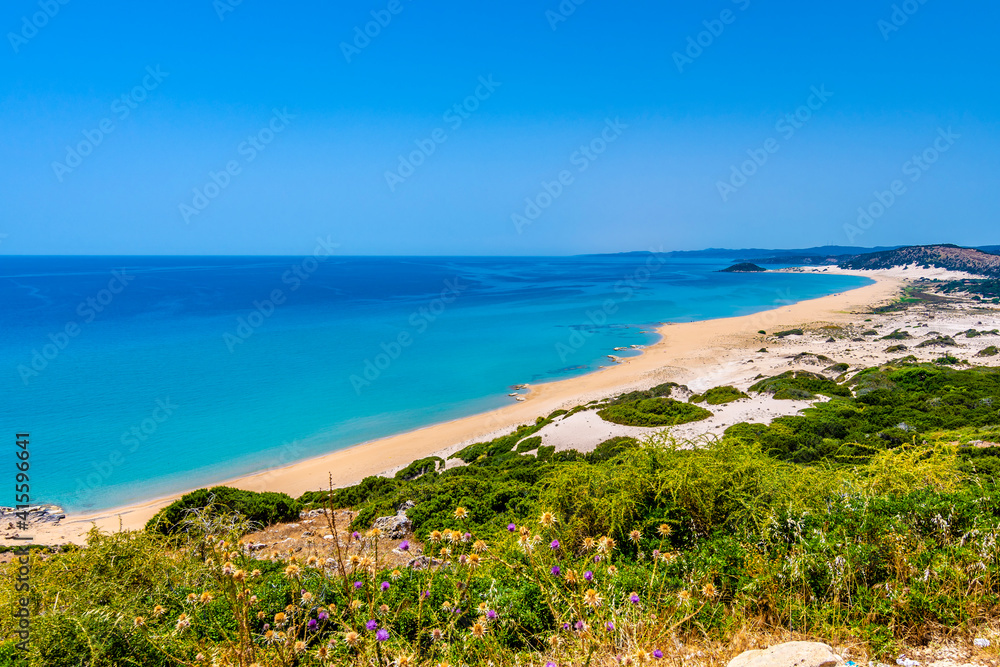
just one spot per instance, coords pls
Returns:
(322, 616)
(382, 635)
(606, 544)
(183, 622)
(300, 646)
(612, 570)
(635, 536)
(355, 604)
(479, 546)
(554, 641)
(240, 575)
(205, 597)
(312, 560)
(449, 536)
(554, 544)
(255, 573)
(372, 624)
(312, 625)
(306, 597)
(374, 532)
(588, 575)
(355, 535)
(548, 519)
(981, 642)
(322, 652)
(351, 638)
(436, 634)
(396, 574)
(200, 657)
(279, 618)
(511, 528)
(460, 513)
(158, 610)
(227, 569)
(491, 614)
(466, 537)
(357, 585)
(664, 530)
(555, 570)
(525, 543)
(708, 590)
(609, 626)
(139, 621)
(588, 543)
(425, 594)
(404, 545)
(474, 560)
(580, 626)
(435, 536)
(385, 585)
(591, 598)
(383, 609)
(292, 571)
(478, 630)
(684, 596)
(551, 664)
(404, 660)
(192, 598)
(633, 597)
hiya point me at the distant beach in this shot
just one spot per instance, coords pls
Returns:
(701, 354)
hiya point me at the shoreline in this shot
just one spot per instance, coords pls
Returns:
(684, 352)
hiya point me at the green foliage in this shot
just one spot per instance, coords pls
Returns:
(611, 448)
(990, 351)
(259, 508)
(896, 348)
(898, 334)
(420, 467)
(718, 396)
(653, 412)
(528, 444)
(799, 385)
(790, 332)
(939, 341)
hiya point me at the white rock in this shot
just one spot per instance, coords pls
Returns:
(789, 654)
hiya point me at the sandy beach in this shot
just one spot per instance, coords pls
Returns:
(699, 354)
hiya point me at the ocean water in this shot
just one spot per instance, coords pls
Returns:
(142, 376)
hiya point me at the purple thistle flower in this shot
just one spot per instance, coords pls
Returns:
(372, 624)
(609, 626)
(511, 528)
(267, 626)
(554, 544)
(579, 625)
(312, 625)
(425, 594)
(492, 615)
(404, 545)
(657, 653)
(382, 635)
(466, 537)
(566, 626)
(323, 616)
(385, 585)
(588, 575)
(555, 570)
(634, 598)
(355, 535)
(358, 584)
(551, 664)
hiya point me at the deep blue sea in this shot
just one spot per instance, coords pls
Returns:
(142, 376)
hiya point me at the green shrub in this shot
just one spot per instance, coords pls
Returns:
(653, 412)
(718, 396)
(528, 444)
(790, 332)
(420, 467)
(895, 348)
(264, 508)
(990, 351)
(898, 334)
(799, 385)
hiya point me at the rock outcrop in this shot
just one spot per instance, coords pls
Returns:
(790, 654)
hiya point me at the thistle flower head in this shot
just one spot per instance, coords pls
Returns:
(461, 513)
(664, 529)
(548, 519)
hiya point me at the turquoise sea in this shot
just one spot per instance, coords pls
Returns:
(142, 376)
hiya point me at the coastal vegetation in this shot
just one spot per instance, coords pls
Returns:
(869, 517)
(718, 396)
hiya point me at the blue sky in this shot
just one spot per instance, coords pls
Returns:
(601, 127)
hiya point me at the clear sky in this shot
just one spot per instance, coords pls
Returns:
(245, 127)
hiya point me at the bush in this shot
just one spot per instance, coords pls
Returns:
(898, 335)
(990, 351)
(421, 467)
(653, 412)
(790, 332)
(799, 385)
(264, 508)
(718, 396)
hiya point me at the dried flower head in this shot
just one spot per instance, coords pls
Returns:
(635, 536)
(548, 519)
(461, 513)
(591, 598)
